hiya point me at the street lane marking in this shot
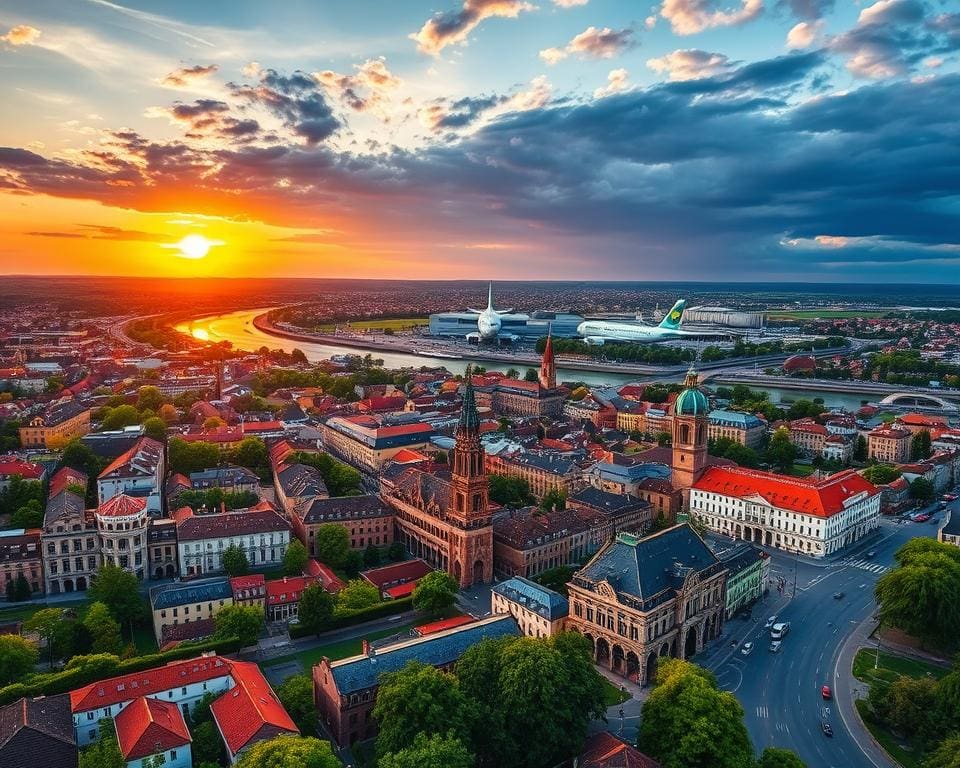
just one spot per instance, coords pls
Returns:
(866, 565)
(763, 712)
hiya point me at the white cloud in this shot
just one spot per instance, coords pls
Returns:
(688, 17)
(592, 43)
(22, 34)
(689, 64)
(618, 80)
(803, 34)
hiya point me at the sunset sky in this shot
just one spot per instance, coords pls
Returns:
(686, 139)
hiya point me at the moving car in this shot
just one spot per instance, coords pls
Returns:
(826, 693)
(839, 595)
(775, 646)
(747, 649)
(779, 631)
(770, 622)
(826, 728)
(922, 518)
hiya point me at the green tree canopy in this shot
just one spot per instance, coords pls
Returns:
(45, 623)
(103, 628)
(554, 499)
(190, 457)
(242, 621)
(315, 609)
(435, 592)
(417, 699)
(781, 452)
(17, 657)
(436, 751)
(296, 695)
(119, 590)
(687, 721)
(290, 752)
(332, 542)
(235, 561)
(920, 445)
(150, 398)
(251, 453)
(104, 752)
(358, 593)
(156, 428)
(207, 746)
(510, 491)
(921, 489)
(773, 757)
(295, 558)
(30, 515)
(120, 417)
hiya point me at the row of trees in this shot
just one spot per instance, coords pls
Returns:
(186, 457)
(341, 479)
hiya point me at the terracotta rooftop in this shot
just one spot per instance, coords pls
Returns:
(147, 726)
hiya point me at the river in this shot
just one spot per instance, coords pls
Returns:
(238, 329)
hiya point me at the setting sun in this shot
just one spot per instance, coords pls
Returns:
(194, 246)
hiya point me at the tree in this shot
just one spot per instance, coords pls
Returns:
(241, 621)
(773, 757)
(150, 398)
(881, 474)
(396, 551)
(947, 755)
(510, 491)
(532, 375)
(358, 593)
(860, 449)
(295, 558)
(332, 542)
(919, 596)
(120, 417)
(251, 453)
(104, 752)
(97, 666)
(120, 591)
(184, 457)
(207, 746)
(921, 489)
(213, 422)
(30, 515)
(553, 500)
(417, 699)
(920, 445)
(435, 592)
(556, 578)
(18, 656)
(315, 609)
(235, 561)
(909, 706)
(436, 751)
(290, 752)
(156, 428)
(296, 695)
(353, 563)
(45, 623)
(781, 452)
(687, 721)
(19, 589)
(103, 628)
(20, 493)
(168, 413)
(371, 556)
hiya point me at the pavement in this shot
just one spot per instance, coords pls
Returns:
(780, 693)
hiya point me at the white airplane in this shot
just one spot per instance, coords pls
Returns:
(596, 332)
(489, 322)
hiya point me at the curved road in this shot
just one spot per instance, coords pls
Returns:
(780, 693)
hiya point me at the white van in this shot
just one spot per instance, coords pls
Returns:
(779, 631)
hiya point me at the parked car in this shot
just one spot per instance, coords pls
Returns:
(747, 649)
(839, 595)
(826, 693)
(826, 728)
(770, 622)
(775, 646)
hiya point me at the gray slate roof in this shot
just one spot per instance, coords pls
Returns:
(170, 595)
(643, 568)
(66, 503)
(360, 672)
(534, 597)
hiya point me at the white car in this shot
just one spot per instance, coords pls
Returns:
(747, 649)
(770, 622)
(775, 646)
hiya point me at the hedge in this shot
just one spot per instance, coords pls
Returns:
(346, 617)
(52, 683)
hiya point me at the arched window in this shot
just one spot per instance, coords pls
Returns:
(685, 433)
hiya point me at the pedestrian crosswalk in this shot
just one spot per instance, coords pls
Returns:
(866, 565)
(763, 712)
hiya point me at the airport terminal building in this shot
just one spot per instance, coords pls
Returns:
(724, 316)
(528, 327)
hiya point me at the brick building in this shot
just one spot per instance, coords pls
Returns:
(889, 445)
(367, 519)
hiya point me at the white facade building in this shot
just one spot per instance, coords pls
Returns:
(137, 472)
(262, 533)
(810, 517)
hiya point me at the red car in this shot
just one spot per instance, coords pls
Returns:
(826, 693)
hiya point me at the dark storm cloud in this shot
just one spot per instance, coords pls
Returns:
(717, 172)
(445, 115)
(297, 99)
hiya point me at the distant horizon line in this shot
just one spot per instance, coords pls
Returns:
(22, 276)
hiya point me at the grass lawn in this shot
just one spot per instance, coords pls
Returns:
(26, 610)
(339, 650)
(143, 639)
(898, 750)
(612, 695)
(393, 324)
(802, 470)
(826, 314)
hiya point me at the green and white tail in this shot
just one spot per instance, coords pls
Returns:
(671, 320)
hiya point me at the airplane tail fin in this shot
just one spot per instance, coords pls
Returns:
(490, 296)
(671, 320)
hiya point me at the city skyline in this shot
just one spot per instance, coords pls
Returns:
(473, 139)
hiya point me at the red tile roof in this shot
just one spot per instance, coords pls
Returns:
(11, 465)
(250, 708)
(922, 420)
(147, 726)
(822, 498)
(439, 626)
(328, 579)
(252, 581)
(604, 750)
(148, 682)
(121, 506)
(261, 426)
(398, 573)
(401, 590)
(218, 435)
(407, 456)
(288, 589)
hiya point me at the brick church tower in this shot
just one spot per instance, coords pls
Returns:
(548, 368)
(690, 415)
(471, 538)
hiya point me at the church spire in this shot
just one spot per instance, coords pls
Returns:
(548, 368)
(469, 418)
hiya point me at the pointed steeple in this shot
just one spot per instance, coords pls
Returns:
(548, 368)
(469, 418)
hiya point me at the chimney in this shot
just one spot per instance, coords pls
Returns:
(365, 647)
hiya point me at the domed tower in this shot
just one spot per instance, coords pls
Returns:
(690, 413)
(471, 538)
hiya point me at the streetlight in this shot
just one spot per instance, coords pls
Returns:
(876, 659)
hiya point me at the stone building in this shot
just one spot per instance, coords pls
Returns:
(889, 445)
(70, 544)
(540, 612)
(122, 525)
(367, 519)
(690, 421)
(640, 599)
(56, 426)
(744, 428)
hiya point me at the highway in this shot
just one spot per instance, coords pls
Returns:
(780, 693)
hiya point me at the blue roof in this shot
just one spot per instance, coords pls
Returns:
(170, 595)
(534, 597)
(361, 672)
(734, 418)
(633, 471)
(691, 402)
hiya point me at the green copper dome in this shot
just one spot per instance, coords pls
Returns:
(691, 401)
